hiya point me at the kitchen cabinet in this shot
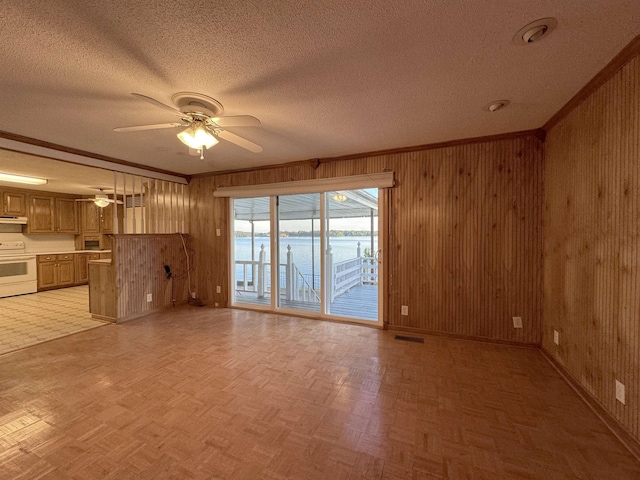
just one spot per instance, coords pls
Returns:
(82, 266)
(41, 219)
(66, 215)
(55, 271)
(14, 203)
(90, 218)
(48, 214)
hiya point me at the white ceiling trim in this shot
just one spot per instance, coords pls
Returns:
(88, 161)
(355, 182)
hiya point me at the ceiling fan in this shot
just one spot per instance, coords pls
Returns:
(100, 199)
(204, 122)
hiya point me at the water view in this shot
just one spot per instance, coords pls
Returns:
(343, 248)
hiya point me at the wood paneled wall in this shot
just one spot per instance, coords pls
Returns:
(592, 244)
(139, 262)
(465, 246)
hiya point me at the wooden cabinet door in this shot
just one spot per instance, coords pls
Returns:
(41, 217)
(47, 275)
(66, 272)
(66, 215)
(14, 204)
(90, 218)
(82, 268)
(106, 219)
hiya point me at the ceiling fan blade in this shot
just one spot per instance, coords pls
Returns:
(84, 199)
(155, 102)
(239, 141)
(236, 121)
(149, 127)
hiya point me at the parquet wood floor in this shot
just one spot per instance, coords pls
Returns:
(214, 393)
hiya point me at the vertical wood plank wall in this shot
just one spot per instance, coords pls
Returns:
(139, 262)
(465, 249)
(592, 243)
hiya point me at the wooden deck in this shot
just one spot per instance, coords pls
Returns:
(359, 302)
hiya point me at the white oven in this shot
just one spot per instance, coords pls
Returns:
(18, 270)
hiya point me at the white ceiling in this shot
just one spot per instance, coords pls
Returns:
(326, 78)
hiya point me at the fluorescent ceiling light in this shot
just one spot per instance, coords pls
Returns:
(7, 177)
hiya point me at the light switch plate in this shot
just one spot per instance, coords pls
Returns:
(404, 310)
(218, 289)
(149, 297)
(517, 322)
(556, 337)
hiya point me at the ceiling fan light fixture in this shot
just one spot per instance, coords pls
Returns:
(339, 197)
(197, 138)
(101, 202)
(7, 177)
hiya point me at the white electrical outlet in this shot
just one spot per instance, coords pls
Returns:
(149, 297)
(517, 322)
(215, 304)
(556, 337)
(620, 392)
(217, 232)
(404, 310)
(218, 289)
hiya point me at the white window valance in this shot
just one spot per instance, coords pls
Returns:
(355, 182)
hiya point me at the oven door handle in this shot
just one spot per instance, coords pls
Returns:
(16, 259)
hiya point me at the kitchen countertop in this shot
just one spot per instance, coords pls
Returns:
(67, 252)
(105, 261)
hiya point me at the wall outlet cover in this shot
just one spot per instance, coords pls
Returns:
(620, 392)
(149, 297)
(404, 310)
(517, 322)
(218, 289)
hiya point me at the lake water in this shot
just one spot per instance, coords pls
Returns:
(343, 248)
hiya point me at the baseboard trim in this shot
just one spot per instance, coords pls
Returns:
(627, 439)
(468, 338)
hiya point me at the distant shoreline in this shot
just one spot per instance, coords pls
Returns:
(302, 234)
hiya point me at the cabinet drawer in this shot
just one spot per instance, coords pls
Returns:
(46, 258)
(67, 256)
(94, 256)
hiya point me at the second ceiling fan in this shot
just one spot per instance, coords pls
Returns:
(204, 121)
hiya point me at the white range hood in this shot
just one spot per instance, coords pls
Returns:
(6, 220)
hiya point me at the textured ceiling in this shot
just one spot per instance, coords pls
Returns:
(326, 78)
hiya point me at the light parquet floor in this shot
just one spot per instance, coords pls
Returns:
(215, 393)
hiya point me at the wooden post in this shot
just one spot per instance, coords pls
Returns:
(261, 272)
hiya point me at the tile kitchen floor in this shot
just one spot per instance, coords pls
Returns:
(27, 320)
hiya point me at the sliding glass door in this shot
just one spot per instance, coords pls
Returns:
(325, 249)
(299, 252)
(252, 251)
(351, 254)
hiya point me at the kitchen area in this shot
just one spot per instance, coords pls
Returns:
(47, 240)
(60, 218)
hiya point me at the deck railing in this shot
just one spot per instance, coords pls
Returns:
(343, 276)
